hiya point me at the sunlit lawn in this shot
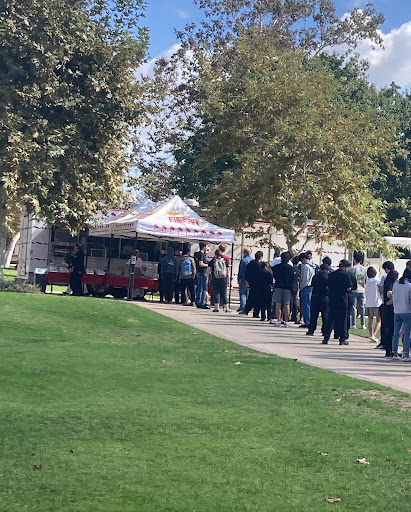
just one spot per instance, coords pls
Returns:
(105, 406)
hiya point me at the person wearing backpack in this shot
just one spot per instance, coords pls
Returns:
(218, 270)
(187, 275)
(168, 274)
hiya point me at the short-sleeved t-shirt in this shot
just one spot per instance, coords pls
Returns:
(361, 274)
(227, 260)
(201, 257)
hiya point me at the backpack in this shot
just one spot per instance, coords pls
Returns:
(220, 268)
(186, 267)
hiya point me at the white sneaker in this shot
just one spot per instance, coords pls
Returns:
(374, 339)
(285, 324)
(277, 324)
(363, 327)
(407, 359)
(396, 357)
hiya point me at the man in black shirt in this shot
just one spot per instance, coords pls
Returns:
(252, 273)
(202, 278)
(339, 284)
(319, 300)
(283, 274)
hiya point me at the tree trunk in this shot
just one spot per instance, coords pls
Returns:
(3, 226)
(10, 249)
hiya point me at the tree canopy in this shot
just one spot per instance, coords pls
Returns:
(69, 104)
(265, 118)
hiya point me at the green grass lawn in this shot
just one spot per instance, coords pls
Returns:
(9, 274)
(105, 406)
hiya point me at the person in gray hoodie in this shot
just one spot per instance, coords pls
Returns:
(168, 274)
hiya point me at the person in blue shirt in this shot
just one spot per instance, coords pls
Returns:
(242, 287)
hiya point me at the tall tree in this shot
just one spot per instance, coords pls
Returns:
(292, 151)
(69, 104)
(259, 122)
(393, 186)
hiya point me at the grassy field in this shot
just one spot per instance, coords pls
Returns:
(108, 407)
(9, 274)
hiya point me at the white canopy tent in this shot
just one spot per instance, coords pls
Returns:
(173, 220)
(104, 226)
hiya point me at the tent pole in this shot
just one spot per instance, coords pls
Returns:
(109, 262)
(231, 274)
(132, 271)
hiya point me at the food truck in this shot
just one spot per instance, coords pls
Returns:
(109, 244)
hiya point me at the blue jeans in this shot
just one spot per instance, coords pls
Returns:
(358, 300)
(305, 295)
(202, 282)
(399, 320)
(243, 291)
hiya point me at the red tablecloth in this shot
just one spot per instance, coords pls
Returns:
(99, 280)
(57, 278)
(96, 279)
(145, 283)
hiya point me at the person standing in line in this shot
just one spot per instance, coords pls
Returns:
(319, 300)
(307, 273)
(339, 284)
(218, 269)
(77, 270)
(187, 274)
(401, 297)
(295, 290)
(264, 292)
(222, 248)
(283, 275)
(252, 278)
(309, 254)
(168, 274)
(360, 273)
(202, 278)
(351, 299)
(177, 286)
(277, 258)
(242, 286)
(381, 290)
(160, 283)
(387, 321)
(327, 261)
(372, 303)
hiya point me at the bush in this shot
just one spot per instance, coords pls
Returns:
(18, 287)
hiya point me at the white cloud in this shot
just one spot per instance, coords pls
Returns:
(389, 64)
(184, 15)
(147, 69)
(393, 63)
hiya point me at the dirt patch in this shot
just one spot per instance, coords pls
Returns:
(386, 398)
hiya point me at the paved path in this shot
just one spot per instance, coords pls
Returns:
(360, 359)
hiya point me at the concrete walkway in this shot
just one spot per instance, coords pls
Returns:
(360, 359)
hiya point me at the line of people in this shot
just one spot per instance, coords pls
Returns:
(192, 279)
(289, 287)
(295, 289)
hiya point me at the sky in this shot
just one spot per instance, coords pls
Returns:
(393, 64)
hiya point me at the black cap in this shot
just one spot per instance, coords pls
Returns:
(344, 264)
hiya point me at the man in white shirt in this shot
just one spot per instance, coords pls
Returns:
(307, 273)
